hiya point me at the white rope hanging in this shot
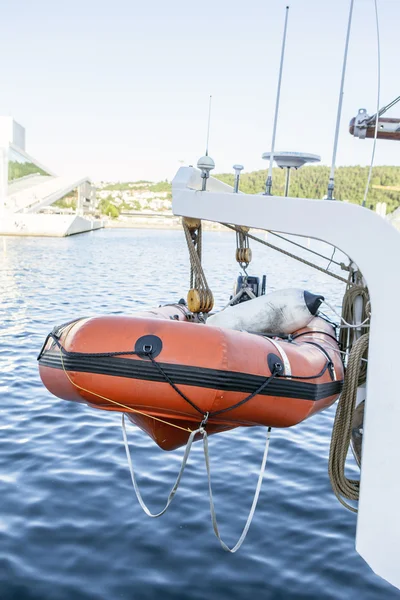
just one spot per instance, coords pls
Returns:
(172, 493)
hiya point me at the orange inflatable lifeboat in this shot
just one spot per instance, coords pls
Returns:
(169, 374)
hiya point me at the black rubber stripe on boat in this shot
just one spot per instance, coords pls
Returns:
(229, 381)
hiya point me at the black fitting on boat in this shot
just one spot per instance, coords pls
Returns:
(313, 301)
(148, 345)
(275, 364)
(204, 421)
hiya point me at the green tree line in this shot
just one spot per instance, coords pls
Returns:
(308, 182)
(16, 169)
(312, 182)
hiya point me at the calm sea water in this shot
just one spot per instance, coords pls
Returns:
(70, 525)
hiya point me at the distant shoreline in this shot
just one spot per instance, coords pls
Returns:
(116, 224)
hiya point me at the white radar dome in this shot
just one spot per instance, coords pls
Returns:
(205, 163)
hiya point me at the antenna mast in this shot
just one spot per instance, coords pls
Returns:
(206, 163)
(209, 121)
(331, 184)
(268, 184)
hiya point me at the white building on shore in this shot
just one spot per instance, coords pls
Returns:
(28, 190)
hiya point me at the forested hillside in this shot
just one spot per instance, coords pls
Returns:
(312, 182)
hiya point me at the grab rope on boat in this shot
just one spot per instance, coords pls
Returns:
(202, 431)
(146, 352)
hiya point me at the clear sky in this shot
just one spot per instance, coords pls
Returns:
(118, 90)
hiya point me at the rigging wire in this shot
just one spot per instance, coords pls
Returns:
(383, 110)
(208, 125)
(268, 184)
(378, 112)
(308, 249)
(331, 259)
(331, 184)
(343, 321)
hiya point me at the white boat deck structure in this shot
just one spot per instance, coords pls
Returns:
(40, 192)
(374, 245)
(27, 187)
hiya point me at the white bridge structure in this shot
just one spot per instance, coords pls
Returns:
(374, 245)
(27, 188)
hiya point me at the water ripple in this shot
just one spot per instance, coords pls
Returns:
(70, 526)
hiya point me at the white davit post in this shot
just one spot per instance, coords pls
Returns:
(374, 245)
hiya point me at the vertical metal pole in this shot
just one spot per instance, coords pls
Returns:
(378, 101)
(208, 125)
(331, 184)
(79, 204)
(236, 184)
(268, 184)
(238, 169)
(287, 181)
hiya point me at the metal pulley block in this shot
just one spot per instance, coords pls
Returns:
(243, 255)
(243, 251)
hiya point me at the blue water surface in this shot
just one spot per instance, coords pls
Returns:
(70, 525)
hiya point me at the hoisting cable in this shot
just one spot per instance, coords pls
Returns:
(200, 298)
(342, 486)
(243, 250)
(243, 257)
(290, 254)
(243, 290)
(341, 265)
(377, 104)
(383, 110)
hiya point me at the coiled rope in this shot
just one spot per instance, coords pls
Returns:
(348, 336)
(342, 486)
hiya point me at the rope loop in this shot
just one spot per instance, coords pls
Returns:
(201, 430)
(177, 481)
